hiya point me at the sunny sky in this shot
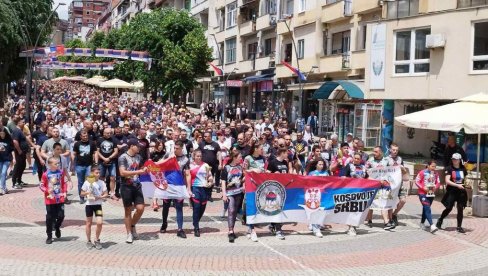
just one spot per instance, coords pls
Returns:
(62, 10)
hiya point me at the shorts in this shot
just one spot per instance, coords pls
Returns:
(107, 170)
(451, 197)
(402, 192)
(93, 209)
(131, 195)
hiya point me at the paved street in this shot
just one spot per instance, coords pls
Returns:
(406, 250)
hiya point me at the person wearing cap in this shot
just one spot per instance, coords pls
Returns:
(350, 140)
(130, 188)
(455, 191)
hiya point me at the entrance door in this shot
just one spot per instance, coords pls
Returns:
(345, 121)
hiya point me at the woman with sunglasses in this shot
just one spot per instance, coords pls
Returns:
(198, 178)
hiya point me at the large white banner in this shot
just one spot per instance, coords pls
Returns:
(387, 198)
(378, 56)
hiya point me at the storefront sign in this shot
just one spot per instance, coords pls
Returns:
(234, 83)
(378, 59)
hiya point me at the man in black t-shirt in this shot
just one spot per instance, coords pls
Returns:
(211, 156)
(143, 146)
(21, 147)
(85, 153)
(107, 155)
(40, 136)
(241, 145)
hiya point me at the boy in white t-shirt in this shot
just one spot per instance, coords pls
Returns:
(95, 191)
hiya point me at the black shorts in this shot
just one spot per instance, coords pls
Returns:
(93, 209)
(455, 196)
(131, 195)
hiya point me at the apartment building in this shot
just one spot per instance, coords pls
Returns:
(83, 15)
(424, 54)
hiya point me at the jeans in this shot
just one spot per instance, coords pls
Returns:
(19, 167)
(3, 174)
(178, 203)
(81, 173)
(426, 211)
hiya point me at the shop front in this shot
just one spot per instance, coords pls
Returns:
(261, 93)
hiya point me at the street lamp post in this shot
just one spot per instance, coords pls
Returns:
(225, 91)
(29, 68)
(300, 87)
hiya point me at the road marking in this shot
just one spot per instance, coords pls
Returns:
(302, 266)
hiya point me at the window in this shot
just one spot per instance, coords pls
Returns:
(362, 37)
(187, 5)
(230, 50)
(302, 5)
(471, 3)
(268, 46)
(221, 19)
(231, 15)
(289, 6)
(480, 50)
(270, 7)
(301, 48)
(341, 42)
(402, 8)
(78, 4)
(288, 50)
(411, 55)
(331, 1)
(90, 25)
(326, 41)
(252, 50)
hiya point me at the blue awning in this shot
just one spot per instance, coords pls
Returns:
(352, 90)
(259, 78)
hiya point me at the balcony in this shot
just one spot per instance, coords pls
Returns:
(263, 63)
(247, 28)
(307, 17)
(336, 11)
(282, 72)
(358, 60)
(332, 63)
(364, 6)
(199, 6)
(266, 21)
(281, 27)
(245, 66)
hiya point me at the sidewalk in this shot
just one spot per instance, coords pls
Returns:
(404, 251)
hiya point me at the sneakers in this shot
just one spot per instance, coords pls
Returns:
(422, 226)
(352, 231)
(369, 224)
(98, 245)
(133, 231)
(22, 184)
(57, 233)
(181, 234)
(317, 233)
(310, 227)
(395, 220)
(279, 235)
(439, 224)
(433, 229)
(18, 187)
(130, 238)
(49, 240)
(232, 237)
(89, 245)
(389, 226)
(2, 192)
(163, 228)
(254, 236)
(196, 232)
(460, 230)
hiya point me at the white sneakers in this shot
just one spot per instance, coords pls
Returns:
(129, 239)
(352, 231)
(134, 233)
(254, 236)
(433, 228)
(317, 233)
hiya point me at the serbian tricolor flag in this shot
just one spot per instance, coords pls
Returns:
(294, 70)
(60, 50)
(163, 180)
(281, 198)
(217, 69)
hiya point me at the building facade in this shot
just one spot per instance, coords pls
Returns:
(434, 52)
(83, 16)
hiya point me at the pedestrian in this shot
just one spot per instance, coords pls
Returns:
(107, 152)
(455, 191)
(198, 179)
(95, 190)
(232, 182)
(211, 155)
(312, 121)
(21, 148)
(356, 169)
(7, 157)
(54, 188)
(85, 154)
(183, 163)
(394, 160)
(427, 182)
(130, 188)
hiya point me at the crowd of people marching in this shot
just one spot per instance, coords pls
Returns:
(105, 139)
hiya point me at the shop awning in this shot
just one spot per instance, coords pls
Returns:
(352, 90)
(259, 78)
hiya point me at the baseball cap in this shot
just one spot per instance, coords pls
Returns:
(133, 142)
(349, 134)
(457, 156)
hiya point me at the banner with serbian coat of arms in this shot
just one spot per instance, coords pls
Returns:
(386, 197)
(280, 198)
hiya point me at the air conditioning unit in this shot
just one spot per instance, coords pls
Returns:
(272, 64)
(433, 41)
(272, 20)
